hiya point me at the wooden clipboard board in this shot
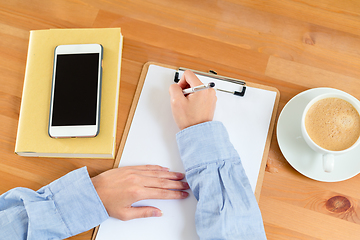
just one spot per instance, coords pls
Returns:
(249, 84)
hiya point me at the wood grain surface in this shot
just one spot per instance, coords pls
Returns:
(292, 45)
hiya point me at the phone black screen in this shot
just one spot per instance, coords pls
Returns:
(75, 89)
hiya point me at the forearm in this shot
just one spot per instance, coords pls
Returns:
(65, 207)
(227, 208)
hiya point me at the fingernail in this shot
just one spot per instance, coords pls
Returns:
(186, 185)
(185, 194)
(157, 213)
(180, 175)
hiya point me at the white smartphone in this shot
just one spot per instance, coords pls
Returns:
(76, 91)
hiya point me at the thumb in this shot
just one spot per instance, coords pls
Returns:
(141, 212)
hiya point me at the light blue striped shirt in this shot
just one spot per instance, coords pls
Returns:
(226, 208)
(65, 207)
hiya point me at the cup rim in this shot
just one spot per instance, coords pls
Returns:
(342, 95)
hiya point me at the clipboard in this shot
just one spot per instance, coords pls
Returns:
(150, 114)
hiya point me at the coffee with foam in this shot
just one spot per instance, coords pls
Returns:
(333, 124)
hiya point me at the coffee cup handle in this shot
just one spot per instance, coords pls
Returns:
(328, 162)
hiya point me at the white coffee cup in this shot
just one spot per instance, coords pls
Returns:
(328, 155)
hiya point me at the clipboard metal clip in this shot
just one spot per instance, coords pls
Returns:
(213, 74)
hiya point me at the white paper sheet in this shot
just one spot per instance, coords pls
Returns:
(151, 140)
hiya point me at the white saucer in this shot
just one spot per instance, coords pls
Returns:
(299, 155)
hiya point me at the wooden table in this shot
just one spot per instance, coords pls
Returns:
(289, 44)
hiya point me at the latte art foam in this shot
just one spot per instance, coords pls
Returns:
(333, 124)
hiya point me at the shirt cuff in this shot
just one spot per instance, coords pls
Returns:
(205, 143)
(77, 201)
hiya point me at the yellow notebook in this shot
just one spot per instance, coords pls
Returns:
(32, 136)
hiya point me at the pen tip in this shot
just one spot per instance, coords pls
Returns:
(212, 84)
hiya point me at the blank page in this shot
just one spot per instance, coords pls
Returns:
(152, 140)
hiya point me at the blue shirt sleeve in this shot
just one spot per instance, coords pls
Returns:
(226, 208)
(65, 207)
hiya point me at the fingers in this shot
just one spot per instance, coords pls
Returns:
(158, 187)
(152, 176)
(157, 193)
(161, 188)
(162, 183)
(176, 93)
(155, 171)
(139, 212)
(163, 175)
(189, 79)
(148, 168)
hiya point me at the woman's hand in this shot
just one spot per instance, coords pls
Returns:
(119, 188)
(194, 108)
